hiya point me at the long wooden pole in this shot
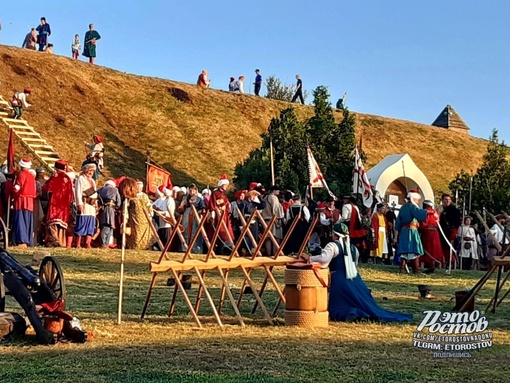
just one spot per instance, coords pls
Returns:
(272, 160)
(122, 258)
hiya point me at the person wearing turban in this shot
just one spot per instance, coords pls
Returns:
(86, 200)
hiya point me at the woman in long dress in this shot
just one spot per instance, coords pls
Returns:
(89, 46)
(139, 234)
(349, 297)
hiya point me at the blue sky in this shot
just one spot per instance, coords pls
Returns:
(403, 59)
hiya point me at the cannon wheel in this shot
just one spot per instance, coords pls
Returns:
(51, 272)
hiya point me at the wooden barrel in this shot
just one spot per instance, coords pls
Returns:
(306, 298)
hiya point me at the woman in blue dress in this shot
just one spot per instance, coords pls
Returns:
(349, 297)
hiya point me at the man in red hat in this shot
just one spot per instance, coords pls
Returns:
(60, 196)
(19, 101)
(219, 204)
(24, 193)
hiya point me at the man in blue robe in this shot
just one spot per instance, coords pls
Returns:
(44, 31)
(410, 247)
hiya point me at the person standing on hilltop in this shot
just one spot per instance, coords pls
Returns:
(231, 84)
(30, 40)
(299, 90)
(258, 82)
(44, 31)
(75, 47)
(89, 48)
(203, 81)
(239, 85)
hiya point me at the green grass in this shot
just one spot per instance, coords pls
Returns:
(162, 349)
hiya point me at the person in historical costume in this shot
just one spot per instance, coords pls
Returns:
(24, 192)
(496, 237)
(329, 216)
(59, 189)
(38, 211)
(380, 229)
(450, 219)
(349, 297)
(236, 209)
(109, 203)
(355, 225)
(391, 217)
(139, 235)
(468, 245)
(142, 196)
(89, 46)
(410, 247)
(206, 195)
(253, 203)
(298, 235)
(273, 208)
(429, 231)
(346, 210)
(219, 205)
(44, 31)
(164, 208)
(189, 221)
(96, 150)
(86, 203)
(73, 211)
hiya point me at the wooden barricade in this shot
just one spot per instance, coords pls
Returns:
(223, 265)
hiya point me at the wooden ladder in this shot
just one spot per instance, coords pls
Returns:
(29, 137)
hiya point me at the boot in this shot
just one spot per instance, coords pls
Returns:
(78, 242)
(416, 266)
(403, 264)
(88, 242)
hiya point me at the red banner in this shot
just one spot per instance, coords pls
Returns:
(157, 177)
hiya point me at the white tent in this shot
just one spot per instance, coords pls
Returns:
(398, 171)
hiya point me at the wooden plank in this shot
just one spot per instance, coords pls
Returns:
(209, 297)
(21, 134)
(15, 121)
(186, 298)
(213, 263)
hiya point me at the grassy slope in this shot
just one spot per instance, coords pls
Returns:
(197, 134)
(160, 349)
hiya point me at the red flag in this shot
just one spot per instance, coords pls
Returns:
(10, 153)
(156, 177)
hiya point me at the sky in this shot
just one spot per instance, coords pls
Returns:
(402, 59)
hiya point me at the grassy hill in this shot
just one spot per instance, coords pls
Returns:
(197, 134)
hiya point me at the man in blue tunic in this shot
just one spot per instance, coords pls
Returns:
(410, 247)
(44, 31)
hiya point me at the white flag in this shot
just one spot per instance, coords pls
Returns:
(360, 182)
(317, 180)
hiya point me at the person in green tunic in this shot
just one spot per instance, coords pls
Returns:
(91, 38)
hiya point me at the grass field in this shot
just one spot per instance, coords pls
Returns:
(162, 349)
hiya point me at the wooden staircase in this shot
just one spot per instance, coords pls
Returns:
(29, 137)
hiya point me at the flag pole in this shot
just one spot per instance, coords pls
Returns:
(122, 258)
(147, 164)
(272, 160)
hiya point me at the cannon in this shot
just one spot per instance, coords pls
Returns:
(32, 288)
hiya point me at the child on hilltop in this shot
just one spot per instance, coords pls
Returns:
(76, 46)
(49, 48)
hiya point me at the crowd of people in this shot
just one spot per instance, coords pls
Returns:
(38, 39)
(69, 209)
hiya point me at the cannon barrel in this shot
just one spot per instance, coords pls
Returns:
(9, 263)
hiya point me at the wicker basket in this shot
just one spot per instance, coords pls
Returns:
(307, 319)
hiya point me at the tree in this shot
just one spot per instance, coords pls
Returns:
(490, 185)
(289, 148)
(276, 90)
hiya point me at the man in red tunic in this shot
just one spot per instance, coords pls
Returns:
(24, 194)
(356, 231)
(430, 237)
(60, 196)
(218, 204)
